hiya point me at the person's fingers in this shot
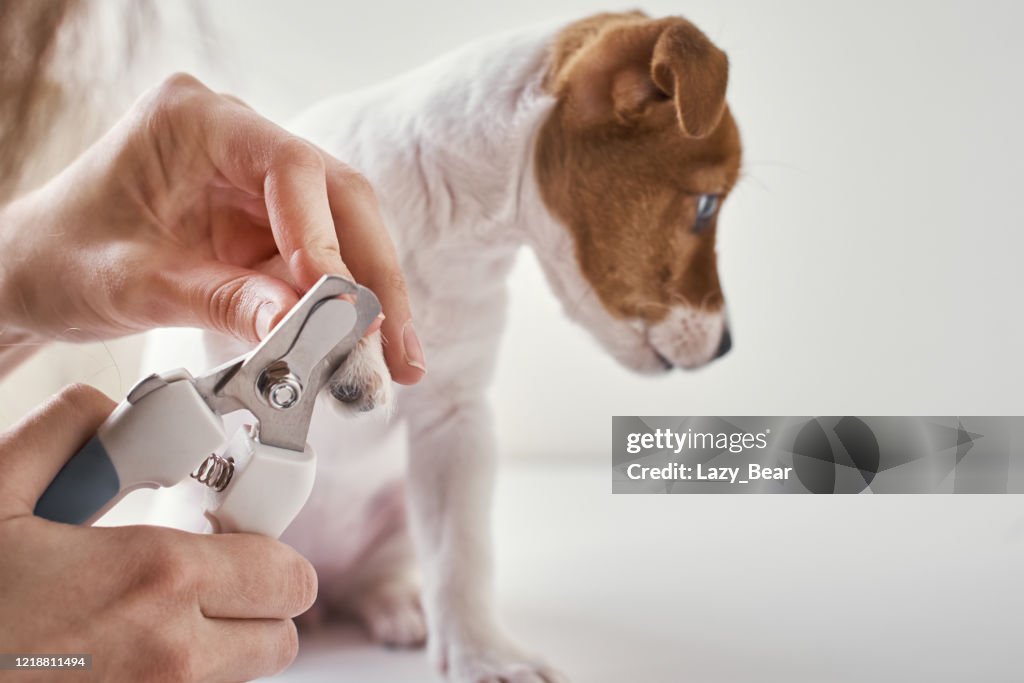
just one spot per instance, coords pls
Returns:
(370, 254)
(253, 577)
(263, 159)
(306, 190)
(313, 203)
(296, 195)
(216, 296)
(243, 649)
(34, 450)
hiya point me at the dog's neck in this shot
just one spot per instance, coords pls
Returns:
(477, 135)
(449, 146)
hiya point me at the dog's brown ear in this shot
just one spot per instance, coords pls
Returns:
(689, 68)
(630, 68)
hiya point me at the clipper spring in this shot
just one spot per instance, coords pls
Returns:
(215, 472)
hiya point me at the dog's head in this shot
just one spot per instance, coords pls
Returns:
(636, 159)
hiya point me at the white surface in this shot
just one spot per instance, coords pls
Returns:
(717, 589)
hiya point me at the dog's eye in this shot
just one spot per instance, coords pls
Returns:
(707, 207)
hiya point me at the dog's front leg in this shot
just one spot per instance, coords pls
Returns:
(451, 476)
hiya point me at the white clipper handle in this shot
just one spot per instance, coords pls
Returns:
(151, 443)
(267, 489)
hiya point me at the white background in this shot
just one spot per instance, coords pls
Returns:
(870, 259)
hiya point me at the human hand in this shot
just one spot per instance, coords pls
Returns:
(195, 211)
(147, 603)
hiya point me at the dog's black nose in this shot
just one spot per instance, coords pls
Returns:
(724, 344)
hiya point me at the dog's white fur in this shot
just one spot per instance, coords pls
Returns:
(449, 149)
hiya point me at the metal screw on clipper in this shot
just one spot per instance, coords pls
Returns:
(279, 387)
(284, 393)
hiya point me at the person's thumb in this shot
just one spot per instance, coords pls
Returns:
(243, 303)
(33, 451)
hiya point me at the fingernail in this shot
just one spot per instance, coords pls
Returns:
(265, 316)
(375, 325)
(413, 348)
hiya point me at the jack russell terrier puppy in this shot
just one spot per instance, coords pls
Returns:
(605, 145)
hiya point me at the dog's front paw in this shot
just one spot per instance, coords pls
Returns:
(489, 660)
(363, 382)
(392, 614)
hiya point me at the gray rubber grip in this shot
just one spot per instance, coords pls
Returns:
(83, 486)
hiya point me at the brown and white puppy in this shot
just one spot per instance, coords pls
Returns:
(607, 146)
(635, 160)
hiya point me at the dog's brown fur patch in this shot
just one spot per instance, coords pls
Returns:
(640, 130)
